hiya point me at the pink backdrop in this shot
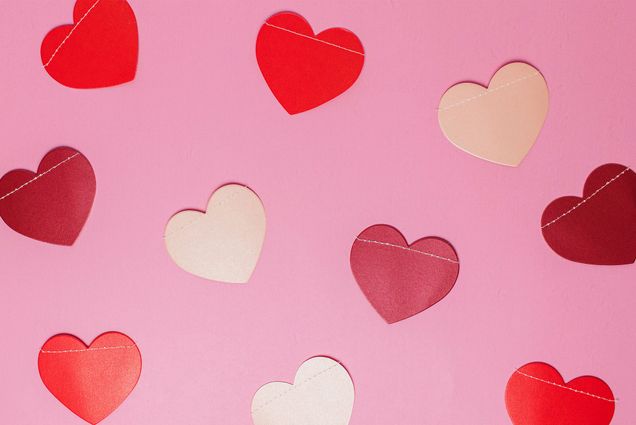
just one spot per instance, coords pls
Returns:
(199, 114)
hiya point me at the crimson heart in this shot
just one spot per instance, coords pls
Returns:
(537, 395)
(90, 381)
(99, 50)
(600, 227)
(398, 279)
(53, 204)
(304, 70)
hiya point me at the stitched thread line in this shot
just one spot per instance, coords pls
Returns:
(119, 347)
(314, 38)
(607, 183)
(450, 260)
(564, 387)
(39, 175)
(294, 387)
(488, 91)
(71, 32)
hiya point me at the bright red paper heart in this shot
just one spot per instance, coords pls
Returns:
(304, 70)
(90, 381)
(52, 205)
(599, 228)
(537, 395)
(99, 50)
(398, 279)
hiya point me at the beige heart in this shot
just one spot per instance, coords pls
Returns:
(499, 123)
(222, 244)
(322, 394)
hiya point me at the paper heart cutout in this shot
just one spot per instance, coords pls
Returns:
(599, 228)
(224, 243)
(99, 50)
(90, 381)
(52, 205)
(304, 70)
(537, 395)
(398, 279)
(322, 394)
(499, 123)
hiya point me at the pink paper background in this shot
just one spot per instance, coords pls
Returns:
(199, 115)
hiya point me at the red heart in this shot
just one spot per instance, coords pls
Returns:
(99, 50)
(90, 381)
(52, 205)
(599, 228)
(398, 279)
(537, 395)
(304, 70)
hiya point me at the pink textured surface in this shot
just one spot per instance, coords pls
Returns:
(199, 115)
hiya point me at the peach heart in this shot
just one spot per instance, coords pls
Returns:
(222, 244)
(322, 393)
(499, 123)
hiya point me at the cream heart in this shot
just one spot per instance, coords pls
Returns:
(223, 243)
(322, 394)
(499, 123)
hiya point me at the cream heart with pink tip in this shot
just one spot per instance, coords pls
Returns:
(223, 243)
(499, 123)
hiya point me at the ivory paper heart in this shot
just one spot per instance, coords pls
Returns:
(52, 204)
(537, 395)
(305, 70)
(499, 123)
(90, 381)
(600, 227)
(222, 244)
(322, 394)
(398, 279)
(98, 50)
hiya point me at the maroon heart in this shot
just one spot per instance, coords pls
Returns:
(398, 279)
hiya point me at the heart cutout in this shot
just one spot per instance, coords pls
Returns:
(499, 123)
(53, 204)
(304, 70)
(600, 227)
(322, 393)
(537, 395)
(224, 243)
(398, 279)
(99, 50)
(91, 381)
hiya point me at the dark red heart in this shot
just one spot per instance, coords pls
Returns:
(53, 204)
(99, 50)
(600, 227)
(537, 395)
(398, 279)
(90, 381)
(304, 70)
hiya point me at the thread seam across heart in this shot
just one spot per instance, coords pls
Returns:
(450, 260)
(566, 388)
(607, 183)
(119, 347)
(38, 176)
(488, 91)
(294, 387)
(314, 38)
(71, 32)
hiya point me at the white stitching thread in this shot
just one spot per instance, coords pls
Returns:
(314, 38)
(607, 183)
(293, 387)
(488, 91)
(38, 176)
(119, 347)
(450, 260)
(71, 32)
(564, 387)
